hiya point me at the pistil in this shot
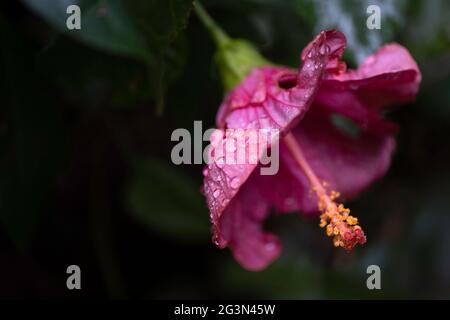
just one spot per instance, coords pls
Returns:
(335, 218)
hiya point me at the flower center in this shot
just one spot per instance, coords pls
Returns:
(335, 218)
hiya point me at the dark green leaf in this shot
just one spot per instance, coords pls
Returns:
(166, 201)
(104, 24)
(32, 143)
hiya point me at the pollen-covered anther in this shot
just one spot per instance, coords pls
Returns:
(334, 195)
(340, 225)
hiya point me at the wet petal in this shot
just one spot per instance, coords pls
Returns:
(237, 203)
(241, 228)
(387, 77)
(346, 163)
(261, 102)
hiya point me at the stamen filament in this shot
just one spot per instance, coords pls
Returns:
(336, 218)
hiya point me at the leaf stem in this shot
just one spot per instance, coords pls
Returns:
(219, 36)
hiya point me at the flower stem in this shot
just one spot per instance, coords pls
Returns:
(219, 36)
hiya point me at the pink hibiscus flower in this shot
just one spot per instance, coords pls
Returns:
(319, 162)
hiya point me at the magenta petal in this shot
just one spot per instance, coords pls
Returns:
(241, 228)
(349, 103)
(236, 203)
(347, 164)
(237, 210)
(336, 44)
(277, 98)
(387, 77)
(260, 102)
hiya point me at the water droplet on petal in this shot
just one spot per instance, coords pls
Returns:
(205, 172)
(215, 240)
(234, 183)
(220, 162)
(216, 193)
(324, 49)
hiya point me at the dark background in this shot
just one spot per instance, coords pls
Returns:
(85, 171)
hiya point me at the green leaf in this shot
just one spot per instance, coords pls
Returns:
(160, 21)
(104, 24)
(166, 201)
(144, 30)
(91, 78)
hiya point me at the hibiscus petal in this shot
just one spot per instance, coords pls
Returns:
(336, 44)
(348, 164)
(241, 225)
(260, 102)
(235, 202)
(387, 77)
(349, 104)
(237, 209)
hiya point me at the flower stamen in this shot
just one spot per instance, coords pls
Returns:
(335, 218)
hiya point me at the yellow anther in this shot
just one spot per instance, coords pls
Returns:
(352, 220)
(334, 195)
(329, 230)
(335, 231)
(337, 242)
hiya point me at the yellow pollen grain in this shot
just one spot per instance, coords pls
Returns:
(337, 242)
(335, 231)
(329, 230)
(336, 219)
(352, 220)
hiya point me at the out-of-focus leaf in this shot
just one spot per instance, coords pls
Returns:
(90, 78)
(166, 201)
(141, 29)
(297, 280)
(30, 154)
(104, 24)
(160, 21)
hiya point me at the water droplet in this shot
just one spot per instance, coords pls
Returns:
(220, 162)
(234, 183)
(216, 240)
(216, 193)
(205, 172)
(324, 49)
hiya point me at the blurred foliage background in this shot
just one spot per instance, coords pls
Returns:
(85, 170)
